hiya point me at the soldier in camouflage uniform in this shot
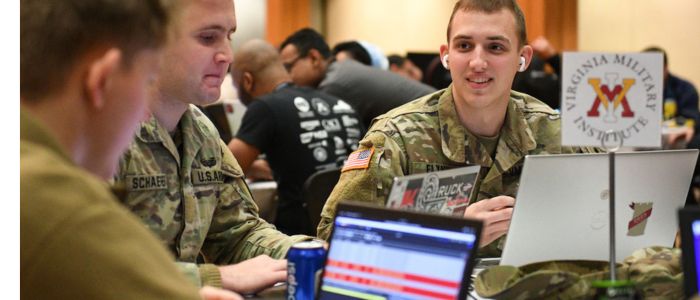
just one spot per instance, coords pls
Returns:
(476, 120)
(183, 181)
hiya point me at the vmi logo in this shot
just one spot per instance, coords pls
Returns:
(611, 97)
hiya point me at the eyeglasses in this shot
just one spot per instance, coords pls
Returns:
(291, 64)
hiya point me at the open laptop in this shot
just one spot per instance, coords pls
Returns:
(690, 244)
(561, 209)
(380, 253)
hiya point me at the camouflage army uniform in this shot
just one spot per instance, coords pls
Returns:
(196, 201)
(426, 135)
(655, 271)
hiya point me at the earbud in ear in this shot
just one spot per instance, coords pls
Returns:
(444, 62)
(522, 64)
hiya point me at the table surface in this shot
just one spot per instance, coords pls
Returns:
(273, 293)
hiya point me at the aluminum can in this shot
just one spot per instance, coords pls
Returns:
(304, 265)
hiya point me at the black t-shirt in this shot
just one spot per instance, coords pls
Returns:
(301, 131)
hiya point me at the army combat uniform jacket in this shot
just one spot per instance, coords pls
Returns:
(190, 191)
(426, 135)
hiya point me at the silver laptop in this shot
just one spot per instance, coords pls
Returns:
(561, 210)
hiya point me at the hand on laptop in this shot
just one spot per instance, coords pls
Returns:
(495, 213)
(254, 274)
(212, 293)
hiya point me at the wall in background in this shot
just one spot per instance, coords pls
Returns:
(632, 25)
(250, 21)
(396, 26)
(400, 26)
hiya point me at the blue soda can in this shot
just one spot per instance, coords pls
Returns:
(304, 265)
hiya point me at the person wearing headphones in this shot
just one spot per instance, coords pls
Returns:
(477, 120)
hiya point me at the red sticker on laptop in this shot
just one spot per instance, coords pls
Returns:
(358, 160)
(642, 212)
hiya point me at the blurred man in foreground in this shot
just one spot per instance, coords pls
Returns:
(76, 118)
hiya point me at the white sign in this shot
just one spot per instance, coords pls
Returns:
(612, 97)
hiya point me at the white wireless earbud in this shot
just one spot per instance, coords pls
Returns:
(444, 62)
(522, 64)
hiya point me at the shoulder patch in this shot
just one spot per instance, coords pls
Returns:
(358, 159)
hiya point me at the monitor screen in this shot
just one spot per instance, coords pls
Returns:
(696, 243)
(395, 258)
(689, 219)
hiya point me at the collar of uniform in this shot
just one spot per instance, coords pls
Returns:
(516, 130)
(153, 132)
(516, 139)
(191, 128)
(33, 131)
(452, 132)
(515, 135)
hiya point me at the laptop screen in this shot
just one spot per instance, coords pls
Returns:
(690, 245)
(573, 190)
(377, 253)
(696, 243)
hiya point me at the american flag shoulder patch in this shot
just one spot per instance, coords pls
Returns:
(358, 159)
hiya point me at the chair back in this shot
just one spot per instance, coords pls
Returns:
(316, 190)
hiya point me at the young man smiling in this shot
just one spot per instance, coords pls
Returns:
(477, 120)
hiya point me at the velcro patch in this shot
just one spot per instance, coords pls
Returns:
(201, 177)
(146, 182)
(358, 160)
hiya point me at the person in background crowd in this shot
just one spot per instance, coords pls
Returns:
(478, 120)
(405, 67)
(181, 179)
(352, 50)
(681, 112)
(370, 91)
(680, 103)
(76, 118)
(300, 130)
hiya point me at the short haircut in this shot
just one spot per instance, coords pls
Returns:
(307, 39)
(54, 35)
(397, 60)
(356, 50)
(492, 6)
(658, 49)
